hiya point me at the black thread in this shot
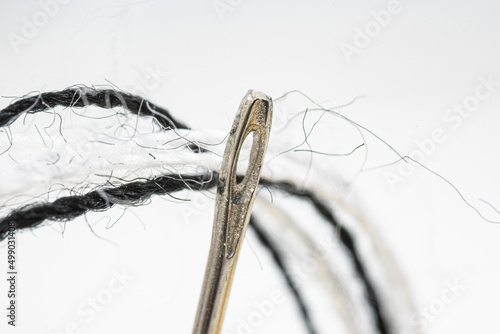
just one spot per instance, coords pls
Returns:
(278, 259)
(79, 97)
(70, 207)
(348, 242)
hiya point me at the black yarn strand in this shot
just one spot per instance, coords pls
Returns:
(348, 242)
(70, 207)
(278, 259)
(79, 97)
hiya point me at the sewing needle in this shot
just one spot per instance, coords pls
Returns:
(233, 204)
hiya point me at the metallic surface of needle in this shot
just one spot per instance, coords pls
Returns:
(232, 209)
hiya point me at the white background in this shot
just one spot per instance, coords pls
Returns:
(199, 63)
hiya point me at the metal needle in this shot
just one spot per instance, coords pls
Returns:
(232, 209)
